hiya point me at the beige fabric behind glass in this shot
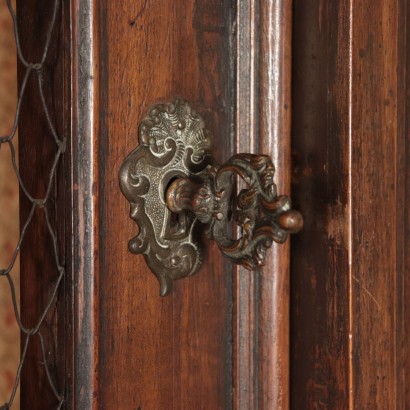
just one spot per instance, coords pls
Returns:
(9, 226)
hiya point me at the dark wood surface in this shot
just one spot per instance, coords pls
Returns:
(171, 352)
(246, 286)
(403, 361)
(349, 277)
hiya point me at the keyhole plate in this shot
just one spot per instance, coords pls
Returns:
(173, 143)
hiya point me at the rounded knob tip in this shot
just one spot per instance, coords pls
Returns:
(291, 221)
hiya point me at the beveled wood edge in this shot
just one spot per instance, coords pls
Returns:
(246, 284)
(275, 138)
(263, 125)
(85, 202)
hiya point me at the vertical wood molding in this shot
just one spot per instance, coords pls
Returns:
(246, 288)
(263, 106)
(85, 251)
(275, 131)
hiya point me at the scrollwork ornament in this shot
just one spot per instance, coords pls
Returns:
(174, 143)
(171, 186)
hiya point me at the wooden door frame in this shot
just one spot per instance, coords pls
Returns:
(261, 302)
(325, 363)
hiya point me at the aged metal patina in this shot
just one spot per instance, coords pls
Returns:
(172, 187)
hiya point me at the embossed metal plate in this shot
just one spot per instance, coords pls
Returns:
(170, 187)
(174, 143)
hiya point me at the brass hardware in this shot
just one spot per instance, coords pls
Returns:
(172, 187)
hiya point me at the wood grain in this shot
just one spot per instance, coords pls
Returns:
(246, 284)
(172, 352)
(261, 320)
(348, 274)
(274, 139)
(403, 357)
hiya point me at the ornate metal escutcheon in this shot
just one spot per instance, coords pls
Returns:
(173, 187)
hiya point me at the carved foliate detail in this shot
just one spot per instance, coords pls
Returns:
(171, 185)
(260, 215)
(174, 143)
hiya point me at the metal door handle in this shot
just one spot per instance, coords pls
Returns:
(173, 186)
